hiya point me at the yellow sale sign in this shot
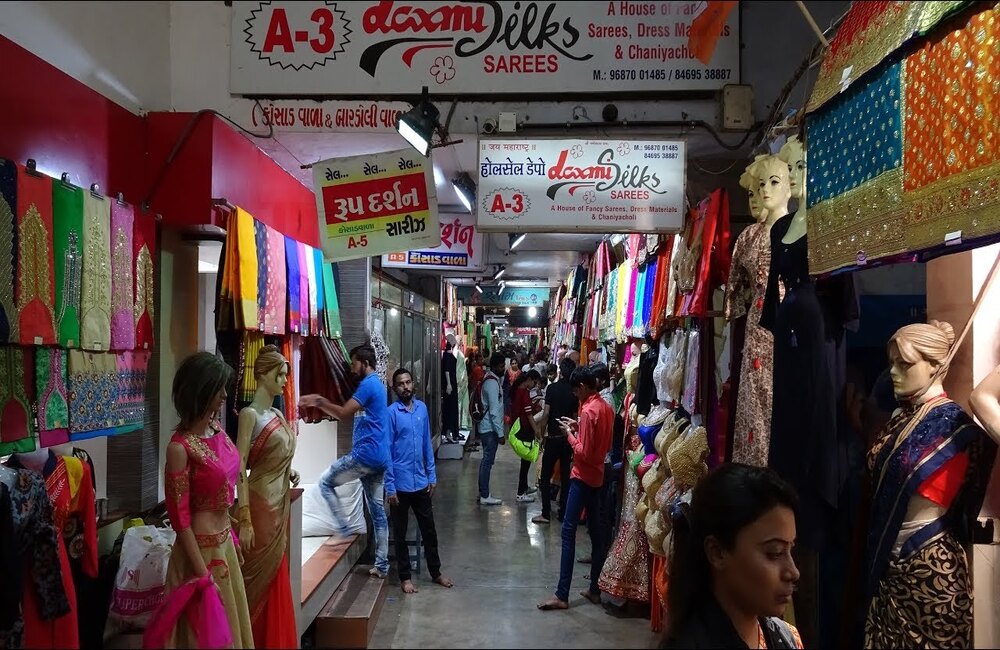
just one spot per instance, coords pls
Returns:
(376, 204)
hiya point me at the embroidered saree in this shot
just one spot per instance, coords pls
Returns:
(95, 297)
(144, 247)
(294, 300)
(333, 324)
(93, 393)
(35, 285)
(277, 296)
(67, 241)
(265, 566)
(122, 281)
(918, 579)
(51, 375)
(8, 251)
(17, 380)
(246, 246)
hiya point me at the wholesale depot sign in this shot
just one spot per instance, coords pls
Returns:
(461, 248)
(601, 186)
(368, 48)
(375, 204)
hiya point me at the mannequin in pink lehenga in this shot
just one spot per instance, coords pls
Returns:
(626, 571)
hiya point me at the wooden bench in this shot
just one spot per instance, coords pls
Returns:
(348, 619)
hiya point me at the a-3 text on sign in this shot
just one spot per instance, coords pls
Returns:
(390, 47)
(376, 204)
(600, 186)
(461, 248)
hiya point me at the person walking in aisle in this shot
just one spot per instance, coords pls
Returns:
(590, 438)
(523, 414)
(369, 457)
(491, 430)
(560, 402)
(411, 479)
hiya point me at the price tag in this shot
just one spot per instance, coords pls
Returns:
(845, 78)
(953, 238)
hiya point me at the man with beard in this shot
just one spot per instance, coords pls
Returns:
(411, 479)
(369, 458)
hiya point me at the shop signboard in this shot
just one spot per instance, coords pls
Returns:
(376, 204)
(511, 297)
(461, 248)
(601, 186)
(393, 47)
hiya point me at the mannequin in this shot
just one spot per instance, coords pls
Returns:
(267, 446)
(625, 574)
(803, 445)
(929, 471)
(744, 297)
(794, 155)
(449, 391)
(462, 377)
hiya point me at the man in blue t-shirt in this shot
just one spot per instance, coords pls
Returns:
(370, 457)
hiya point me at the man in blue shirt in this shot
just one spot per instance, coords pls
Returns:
(369, 458)
(411, 479)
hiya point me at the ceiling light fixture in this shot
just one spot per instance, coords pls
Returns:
(465, 187)
(500, 272)
(532, 312)
(617, 239)
(479, 288)
(515, 239)
(417, 125)
(503, 286)
(507, 309)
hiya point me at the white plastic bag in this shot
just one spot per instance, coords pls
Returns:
(141, 579)
(317, 520)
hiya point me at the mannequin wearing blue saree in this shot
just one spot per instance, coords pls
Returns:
(929, 471)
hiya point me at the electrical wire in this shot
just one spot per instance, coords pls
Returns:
(718, 173)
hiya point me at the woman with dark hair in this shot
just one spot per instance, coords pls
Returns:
(200, 479)
(522, 411)
(732, 574)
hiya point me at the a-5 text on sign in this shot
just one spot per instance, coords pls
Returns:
(391, 47)
(375, 204)
(461, 248)
(600, 186)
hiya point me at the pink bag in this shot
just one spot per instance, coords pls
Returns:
(199, 601)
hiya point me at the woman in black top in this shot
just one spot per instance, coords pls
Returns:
(732, 574)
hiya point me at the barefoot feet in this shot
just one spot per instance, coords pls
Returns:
(553, 603)
(408, 587)
(444, 581)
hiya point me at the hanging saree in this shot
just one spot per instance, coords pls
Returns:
(277, 298)
(294, 300)
(265, 566)
(333, 324)
(8, 251)
(918, 579)
(95, 286)
(132, 370)
(144, 247)
(17, 383)
(93, 393)
(67, 242)
(122, 282)
(260, 242)
(35, 285)
(51, 375)
(247, 255)
(307, 295)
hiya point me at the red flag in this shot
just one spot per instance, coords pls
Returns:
(707, 28)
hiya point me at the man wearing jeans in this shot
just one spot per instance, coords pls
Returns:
(491, 431)
(411, 479)
(370, 455)
(590, 439)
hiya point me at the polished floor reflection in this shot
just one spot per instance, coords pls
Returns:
(502, 565)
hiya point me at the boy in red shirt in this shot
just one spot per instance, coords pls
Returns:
(590, 439)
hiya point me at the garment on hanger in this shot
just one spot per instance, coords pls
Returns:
(95, 286)
(133, 370)
(144, 245)
(745, 297)
(38, 554)
(93, 393)
(17, 384)
(276, 301)
(294, 300)
(67, 242)
(333, 324)
(305, 301)
(8, 251)
(314, 288)
(35, 284)
(320, 324)
(690, 398)
(260, 242)
(645, 392)
(246, 248)
(122, 282)
(52, 377)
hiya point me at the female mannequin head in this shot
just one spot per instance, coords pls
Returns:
(774, 183)
(750, 183)
(794, 155)
(199, 388)
(917, 354)
(271, 370)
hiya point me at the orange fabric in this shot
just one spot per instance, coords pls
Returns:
(659, 594)
(942, 486)
(274, 625)
(707, 27)
(62, 632)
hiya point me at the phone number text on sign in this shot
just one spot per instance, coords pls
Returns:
(584, 185)
(376, 204)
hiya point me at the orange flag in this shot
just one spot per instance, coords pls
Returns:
(707, 28)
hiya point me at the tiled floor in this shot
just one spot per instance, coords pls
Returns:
(502, 565)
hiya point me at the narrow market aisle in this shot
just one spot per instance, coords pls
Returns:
(502, 566)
